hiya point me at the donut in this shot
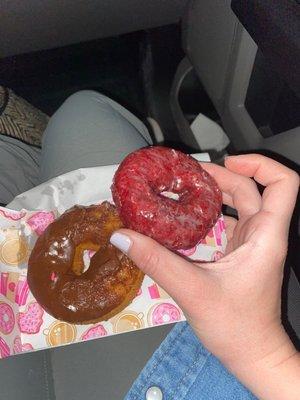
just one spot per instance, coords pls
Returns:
(31, 320)
(94, 332)
(141, 192)
(56, 274)
(7, 318)
(164, 313)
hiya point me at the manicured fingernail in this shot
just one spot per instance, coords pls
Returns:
(121, 241)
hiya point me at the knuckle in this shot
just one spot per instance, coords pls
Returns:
(294, 177)
(291, 176)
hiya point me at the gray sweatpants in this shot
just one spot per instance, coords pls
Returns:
(88, 130)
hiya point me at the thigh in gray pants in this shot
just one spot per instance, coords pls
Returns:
(88, 130)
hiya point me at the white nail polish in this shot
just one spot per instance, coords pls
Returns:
(121, 241)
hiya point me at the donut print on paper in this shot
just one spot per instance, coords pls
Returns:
(188, 252)
(26, 347)
(14, 248)
(4, 348)
(60, 333)
(14, 287)
(217, 255)
(20, 347)
(12, 215)
(156, 292)
(94, 332)
(17, 347)
(31, 320)
(128, 320)
(163, 313)
(216, 236)
(7, 318)
(39, 222)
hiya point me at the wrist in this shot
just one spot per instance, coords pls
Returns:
(273, 373)
(274, 380)
(269, 347)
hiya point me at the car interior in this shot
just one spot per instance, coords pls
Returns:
(214, 76)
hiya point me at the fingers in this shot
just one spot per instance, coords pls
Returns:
(239, 191)
(174, 274)
(281, 183)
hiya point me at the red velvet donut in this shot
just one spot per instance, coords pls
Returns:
(138, 192)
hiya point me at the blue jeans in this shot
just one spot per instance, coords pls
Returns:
(183, 369)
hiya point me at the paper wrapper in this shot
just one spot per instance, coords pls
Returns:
(24, 325)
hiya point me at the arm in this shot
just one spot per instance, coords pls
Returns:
(233, 304)
(276, 376)
(273, 369)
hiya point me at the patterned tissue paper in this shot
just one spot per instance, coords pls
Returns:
(24, 325)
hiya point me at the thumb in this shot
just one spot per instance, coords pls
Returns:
(170, 271)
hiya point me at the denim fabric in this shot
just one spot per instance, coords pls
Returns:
(183, 369)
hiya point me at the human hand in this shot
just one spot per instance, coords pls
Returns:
(233, 304)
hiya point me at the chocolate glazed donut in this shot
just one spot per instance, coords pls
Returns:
(56, 275)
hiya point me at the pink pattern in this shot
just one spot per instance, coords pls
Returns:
(208, 236)
(31, 320)
(13, 215)
(3, 283)
(4, 349)
(22, 291)
(26, 347)
(94, 332)
(217, 255)
(218, 229)
(164, 313)
(153, 291)
(215, 234)
(188, 252)
(40, 221)
(19, 347)
(7, 318)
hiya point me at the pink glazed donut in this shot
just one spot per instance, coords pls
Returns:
(94, 332)
(141, 191)
(164, 313)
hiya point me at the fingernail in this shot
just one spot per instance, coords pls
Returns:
(121, 241)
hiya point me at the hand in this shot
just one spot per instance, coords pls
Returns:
(233, 304)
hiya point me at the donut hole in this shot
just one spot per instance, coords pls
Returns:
(170, 195)
(82, 258)
(86, 257)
